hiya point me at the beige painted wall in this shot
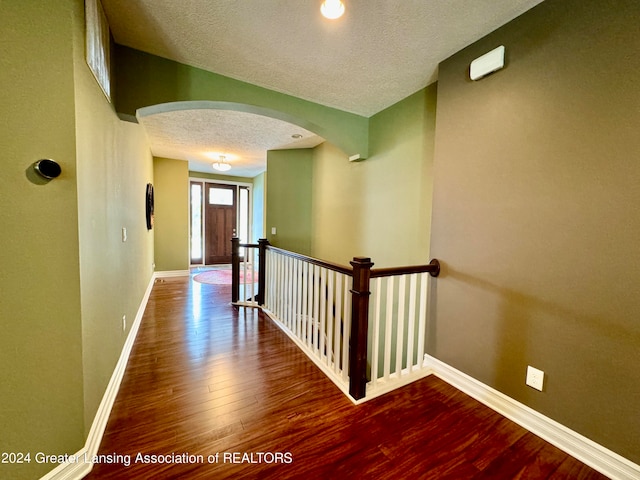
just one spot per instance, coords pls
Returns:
(41, 398)
(171, 221)
(337, 205)
(535, 216)
(114, 165)
(380, 207)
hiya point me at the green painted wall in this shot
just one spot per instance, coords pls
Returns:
(535, 216)
(535, 185)
(114, 165)
(289, 203)
(171, 222)
(41, 393)
(66, 276)
(381, 207)
(399, 181)
(144, 80)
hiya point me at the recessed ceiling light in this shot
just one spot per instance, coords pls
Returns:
(296, 136)
(332, 9)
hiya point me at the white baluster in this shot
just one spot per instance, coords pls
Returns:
(299, 298)
(290, 293)
(281, 287)
(316, 307)
(294, 295)
(400, 320)
(388, 328)
(304, 320)
(330, 310)
(347, 329)
(337, 323)
(310, 306)
(411, 331)
(422, 317)
(375, 334)
(323, 309)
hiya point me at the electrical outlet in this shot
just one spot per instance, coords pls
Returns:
(124, 323)
(535, 378)
(273, 230)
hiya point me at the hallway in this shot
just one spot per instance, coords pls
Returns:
(223, 393)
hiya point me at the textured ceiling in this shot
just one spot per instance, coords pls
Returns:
(202, 135)
(378, 53)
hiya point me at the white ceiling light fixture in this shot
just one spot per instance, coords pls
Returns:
(332, 9)
(221, 165)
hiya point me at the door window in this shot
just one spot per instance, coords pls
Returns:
(220, 196)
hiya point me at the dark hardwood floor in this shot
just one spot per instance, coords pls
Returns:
(228, 388)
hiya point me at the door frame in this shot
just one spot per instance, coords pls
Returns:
(238, 185)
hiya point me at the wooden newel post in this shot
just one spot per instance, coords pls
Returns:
(262, 269)
(359, 326)
(235, 269)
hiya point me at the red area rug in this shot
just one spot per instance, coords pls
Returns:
(223, 277)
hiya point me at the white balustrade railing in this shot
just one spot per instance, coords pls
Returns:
(313, 302)
(397, 330)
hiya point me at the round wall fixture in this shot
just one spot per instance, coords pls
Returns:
(48, 168)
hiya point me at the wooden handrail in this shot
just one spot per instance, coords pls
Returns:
(331, 266)
(433, 268)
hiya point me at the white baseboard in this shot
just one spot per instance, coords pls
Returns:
(77, 470)
(587, 451)
(381, 387)
(172, 273)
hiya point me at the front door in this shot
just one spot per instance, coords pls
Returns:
(220, 222)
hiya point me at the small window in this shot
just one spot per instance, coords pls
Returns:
(196, 222)
(220, 196)
(244, 215)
